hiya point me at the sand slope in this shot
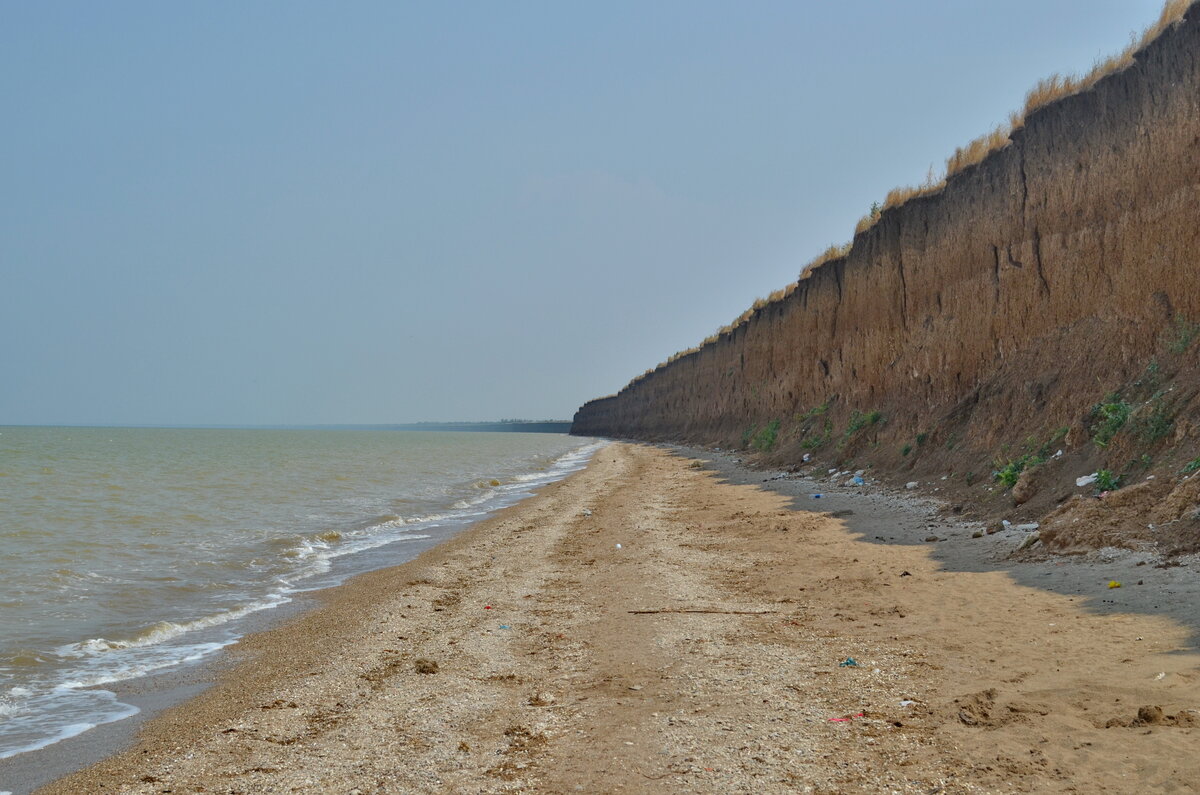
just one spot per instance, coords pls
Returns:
(701, 656)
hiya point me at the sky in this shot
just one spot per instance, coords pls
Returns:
(295, 212)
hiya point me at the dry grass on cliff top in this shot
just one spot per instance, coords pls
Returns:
(1048, 90)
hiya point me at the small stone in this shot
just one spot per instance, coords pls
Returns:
(912, 484)
(931, 539)
(1025, 488)
(1150, 715)
(977, 534)
(426, 666)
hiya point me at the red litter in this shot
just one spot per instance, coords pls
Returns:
(847, 718)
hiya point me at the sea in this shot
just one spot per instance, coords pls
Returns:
(130, 551)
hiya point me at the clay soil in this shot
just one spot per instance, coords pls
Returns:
(644, 627)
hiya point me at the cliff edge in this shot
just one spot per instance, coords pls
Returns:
(1044, 300)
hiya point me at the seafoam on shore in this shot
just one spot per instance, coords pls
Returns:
(135, 551)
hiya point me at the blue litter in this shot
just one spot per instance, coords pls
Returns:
(817, 496)
(849, 663)
(505, 626)
(857, 481)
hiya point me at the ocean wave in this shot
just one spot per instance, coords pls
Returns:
(17, 737)
(133, 667)
(471, 502)
(168, 630)
(61, 701)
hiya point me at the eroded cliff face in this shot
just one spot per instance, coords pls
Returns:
(999, 309)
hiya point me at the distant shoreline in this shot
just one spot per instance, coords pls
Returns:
(548, 426)
(501, 426)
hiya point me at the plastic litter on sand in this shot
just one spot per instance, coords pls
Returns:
(848, 717)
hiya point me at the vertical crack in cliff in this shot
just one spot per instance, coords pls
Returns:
(1037, 258)
(837, 277)
(996, 272)
(1037, 233)
(1024, 181)
(903, 288)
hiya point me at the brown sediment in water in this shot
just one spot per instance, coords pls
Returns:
(705, 653)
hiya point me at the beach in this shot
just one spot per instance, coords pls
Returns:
(647, 625)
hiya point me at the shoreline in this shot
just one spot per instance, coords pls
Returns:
(161, 691)
(704, 649)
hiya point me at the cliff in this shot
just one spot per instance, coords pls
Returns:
(966, 325)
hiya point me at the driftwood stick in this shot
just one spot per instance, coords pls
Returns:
(704, 610)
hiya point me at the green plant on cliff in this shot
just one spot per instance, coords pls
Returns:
(859, 420)
(1109, 417)
(1107, 481)
(1046, 449)
(1144, 461)
(1182, 335)
(1009, 473)
(765, 439)
(815, 411)
(820, 440)
(1191, 466)
(1152, 377)
(1155, 420)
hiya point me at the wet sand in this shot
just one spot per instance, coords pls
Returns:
(706, 653)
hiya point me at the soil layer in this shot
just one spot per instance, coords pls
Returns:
(1043, 300)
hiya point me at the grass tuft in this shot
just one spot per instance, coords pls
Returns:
(1107, 481)
(1183, 333)
(1010, 473)
(1108, 418)
(765, 439)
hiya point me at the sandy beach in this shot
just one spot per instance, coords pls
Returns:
(648, 626)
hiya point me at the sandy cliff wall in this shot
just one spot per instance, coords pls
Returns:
(1001, 306)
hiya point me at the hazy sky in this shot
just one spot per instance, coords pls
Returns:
(296, 212)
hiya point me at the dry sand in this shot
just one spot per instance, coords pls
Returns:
(531, 654)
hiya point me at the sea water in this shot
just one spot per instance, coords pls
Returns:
(127, 551)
